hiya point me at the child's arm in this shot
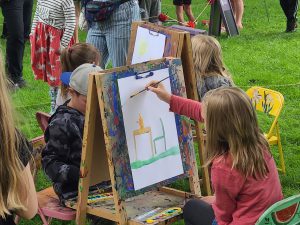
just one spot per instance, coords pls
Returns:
(186, 107)
(179, 105)
(70, 22)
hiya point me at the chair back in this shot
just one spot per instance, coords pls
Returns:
(267, 101)
(42, 119)
(286, 211)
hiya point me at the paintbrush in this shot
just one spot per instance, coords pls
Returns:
(152, 85)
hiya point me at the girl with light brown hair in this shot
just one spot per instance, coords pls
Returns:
(243, 172)
(17, 191)
(208, 64)
(71, 58)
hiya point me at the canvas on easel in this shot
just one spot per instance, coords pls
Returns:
(130, 203)
(177, 44)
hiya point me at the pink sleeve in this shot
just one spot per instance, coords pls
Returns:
(227, 184)
(186, 107)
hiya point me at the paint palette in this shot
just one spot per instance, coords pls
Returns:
(168, 213)
(99, 197)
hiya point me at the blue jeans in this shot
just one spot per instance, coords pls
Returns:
(111, 37)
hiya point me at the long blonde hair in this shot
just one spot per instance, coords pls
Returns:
(232, 128)
(11, 180)
(207, 56)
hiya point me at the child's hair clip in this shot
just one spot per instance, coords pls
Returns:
(137, 76)
(149, 75)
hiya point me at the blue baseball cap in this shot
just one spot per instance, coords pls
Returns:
(65, 78)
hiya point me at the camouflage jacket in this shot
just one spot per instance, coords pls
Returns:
(62, 154)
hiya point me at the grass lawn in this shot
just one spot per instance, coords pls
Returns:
(262, 55)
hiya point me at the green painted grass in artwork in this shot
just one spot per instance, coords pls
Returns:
(141, 163)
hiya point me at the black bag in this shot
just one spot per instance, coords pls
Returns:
(96, 11)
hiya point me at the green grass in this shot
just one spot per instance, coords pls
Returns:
(262, 55)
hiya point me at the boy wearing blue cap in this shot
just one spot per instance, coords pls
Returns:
(62, 154)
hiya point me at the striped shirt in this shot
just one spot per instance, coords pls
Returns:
(59, 14)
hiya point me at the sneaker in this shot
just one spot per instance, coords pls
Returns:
(291, 26)
(21, 83)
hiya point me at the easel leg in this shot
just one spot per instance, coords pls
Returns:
(215, 20)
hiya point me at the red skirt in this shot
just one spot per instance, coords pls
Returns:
(45, 56)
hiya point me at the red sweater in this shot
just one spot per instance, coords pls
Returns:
(238, 200)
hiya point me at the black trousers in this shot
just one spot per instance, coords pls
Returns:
(289, 8)
(4, 30)
(198, 212)
(17, 14)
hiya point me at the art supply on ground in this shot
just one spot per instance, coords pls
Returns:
(145, 89)
(162, 216)
(146, 215)
(99, 197)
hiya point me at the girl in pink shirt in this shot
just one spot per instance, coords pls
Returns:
(243, 172)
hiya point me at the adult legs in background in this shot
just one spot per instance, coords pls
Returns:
(17, 14)
(118, 32)
(238, 11)
(150, 10)
(27, 12)
(198, 212)
(96, 38)
(155, 11)
(188, 12)
(111, 37)
(290, 8)
(13, 14)
(179, 14)
(145, 9)
(4, 30)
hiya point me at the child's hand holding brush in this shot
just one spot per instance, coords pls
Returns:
(159, 89)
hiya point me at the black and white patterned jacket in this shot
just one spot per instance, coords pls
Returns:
(62, 154)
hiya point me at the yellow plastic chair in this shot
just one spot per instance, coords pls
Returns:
(269, 102)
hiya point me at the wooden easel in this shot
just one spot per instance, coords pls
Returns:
(178, 45)
(96, 147)
(221, 10)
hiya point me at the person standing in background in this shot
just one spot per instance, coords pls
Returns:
(183, 6)
(238, 11)
(17, 14)
(111, 36)
(150, 9)
(290, 8)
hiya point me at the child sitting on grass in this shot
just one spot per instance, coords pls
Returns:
(62, 154)
(243, 172)
(208, 64)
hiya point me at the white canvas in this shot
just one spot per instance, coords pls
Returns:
(166, 162)
(149, 45)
